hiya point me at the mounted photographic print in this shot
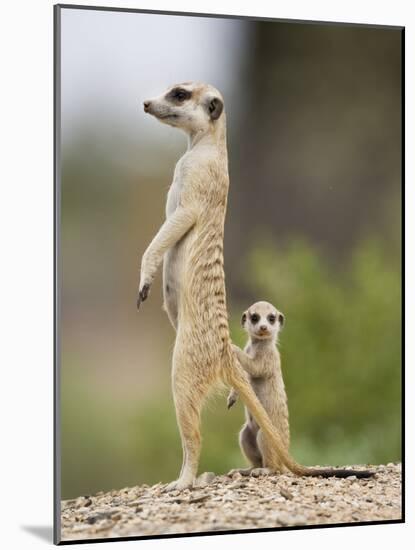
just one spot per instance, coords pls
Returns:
(228, 298)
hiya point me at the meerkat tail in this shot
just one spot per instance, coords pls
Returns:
(237, 378)
(337, 472)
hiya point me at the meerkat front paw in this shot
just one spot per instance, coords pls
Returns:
(143, 293)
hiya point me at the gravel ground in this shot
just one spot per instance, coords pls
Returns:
(222, 503)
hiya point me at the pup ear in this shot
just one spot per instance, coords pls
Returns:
(215, 108)
(243, 319)
(281, 319)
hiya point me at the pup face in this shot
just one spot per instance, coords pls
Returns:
(262, 321)
(191, 106)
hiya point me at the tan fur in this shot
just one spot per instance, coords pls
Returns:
(261, 360)
(191, 243)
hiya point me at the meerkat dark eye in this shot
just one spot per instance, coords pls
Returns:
(272, 318)
(179, 95)
(254, 318)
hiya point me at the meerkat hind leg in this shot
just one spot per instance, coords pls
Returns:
(188, 402)
(249, 447)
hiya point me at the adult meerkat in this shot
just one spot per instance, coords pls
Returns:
(261, 360)
(191, 243)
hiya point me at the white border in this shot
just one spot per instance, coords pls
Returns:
(26, 265)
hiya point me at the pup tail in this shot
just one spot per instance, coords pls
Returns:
(235, 376)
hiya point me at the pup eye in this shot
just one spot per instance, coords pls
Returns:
(181, 96)
(254, 318)
(271, 318)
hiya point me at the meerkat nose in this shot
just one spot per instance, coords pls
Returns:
(146, 106)
(263, 327)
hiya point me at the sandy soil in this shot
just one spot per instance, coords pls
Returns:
(223, 503)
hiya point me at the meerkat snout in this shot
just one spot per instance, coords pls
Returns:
(146, 104)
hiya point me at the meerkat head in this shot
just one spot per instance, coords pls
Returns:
(191, 106)
(262, 321)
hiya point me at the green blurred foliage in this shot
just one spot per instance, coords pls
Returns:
(341, 349)
(321, 158)
(341, 357)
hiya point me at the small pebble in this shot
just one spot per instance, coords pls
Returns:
(286, 494)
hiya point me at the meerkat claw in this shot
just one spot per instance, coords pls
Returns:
(231, 402)
(257, 472)
(143, 294)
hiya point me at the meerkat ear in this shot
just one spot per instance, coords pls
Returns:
(281, 319)
(215, 108)
(243, 319)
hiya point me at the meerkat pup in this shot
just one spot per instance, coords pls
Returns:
(190, 245)
(261, 360)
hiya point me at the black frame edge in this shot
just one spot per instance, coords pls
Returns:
(226, 16)
(403, 311)
(56, 274)
(232, 532)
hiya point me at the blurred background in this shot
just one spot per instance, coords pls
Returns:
(313, 226)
